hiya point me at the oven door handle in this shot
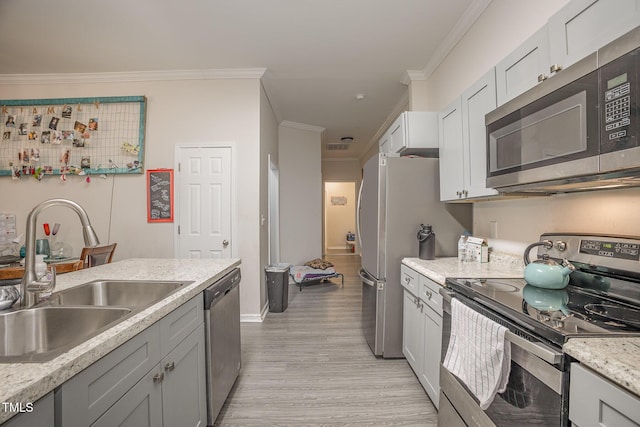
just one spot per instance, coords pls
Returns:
(542, 351)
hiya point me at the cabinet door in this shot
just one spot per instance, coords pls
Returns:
(89, 394)
(477, 101)
(583, 26)
(139, 407)
(519, 71)
(183, 387)
(397, 134)
(596, 402)
(430, 374)
(451, 168)
(412, 332)
(42, 415)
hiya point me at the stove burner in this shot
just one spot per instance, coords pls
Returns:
(626, 315)
(492, 285)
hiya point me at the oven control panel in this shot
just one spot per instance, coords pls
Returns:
(615, 252)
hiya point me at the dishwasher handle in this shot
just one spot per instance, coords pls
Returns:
(220, 288)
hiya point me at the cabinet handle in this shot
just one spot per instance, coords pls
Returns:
(169, 366)
(158, 378)
(555, 68)
(421, 307)
(407, 279)
(465, 193)
(429, 294)
(541, 78)
(458, 193)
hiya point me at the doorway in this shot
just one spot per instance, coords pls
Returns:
(340, 218)
(274, 212)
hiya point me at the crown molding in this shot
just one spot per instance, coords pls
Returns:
(133, 76)
(463, 25)
(301, 126)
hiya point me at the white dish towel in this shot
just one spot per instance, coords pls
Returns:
(478, 353)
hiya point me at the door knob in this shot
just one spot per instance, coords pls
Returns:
(225, 243)
(157, 378)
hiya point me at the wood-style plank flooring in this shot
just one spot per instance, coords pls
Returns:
(310, 366)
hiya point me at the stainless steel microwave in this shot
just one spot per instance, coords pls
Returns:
(576, 131)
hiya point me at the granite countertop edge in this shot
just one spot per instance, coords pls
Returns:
(27, 382)
(614, 358)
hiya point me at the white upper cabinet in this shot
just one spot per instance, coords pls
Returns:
(413, 132)
(451, 166)
(575, 31)
(519, 71)
(384, 143)
(583, 26)
(477, 101)
(463, 147)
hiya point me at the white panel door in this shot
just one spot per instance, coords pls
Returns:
(204, 194)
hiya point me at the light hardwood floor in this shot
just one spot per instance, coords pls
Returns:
(311, 366)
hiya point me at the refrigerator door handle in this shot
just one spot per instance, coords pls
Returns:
(365, 279)
(358, 215)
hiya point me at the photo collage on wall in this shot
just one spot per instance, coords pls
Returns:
(71, 138)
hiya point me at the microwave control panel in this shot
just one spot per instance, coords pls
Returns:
(619, 92)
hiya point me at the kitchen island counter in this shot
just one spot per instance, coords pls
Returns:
(27, 382)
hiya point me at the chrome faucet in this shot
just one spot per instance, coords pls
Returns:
(31, 286)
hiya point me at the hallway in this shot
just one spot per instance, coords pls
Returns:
(311, 366)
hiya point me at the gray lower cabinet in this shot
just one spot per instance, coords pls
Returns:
(596, 402)
(41, 414)
(154, 379)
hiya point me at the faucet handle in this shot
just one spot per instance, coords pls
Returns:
(45, 284)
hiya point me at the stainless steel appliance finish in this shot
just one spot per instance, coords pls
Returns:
(578, 130)
(388, 214)
(602, 299)
(222, 321)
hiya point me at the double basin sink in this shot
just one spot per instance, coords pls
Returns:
(74, 315)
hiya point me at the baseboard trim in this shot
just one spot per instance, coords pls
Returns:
(256, 318)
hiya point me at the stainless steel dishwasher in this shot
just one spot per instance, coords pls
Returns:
(222, 319)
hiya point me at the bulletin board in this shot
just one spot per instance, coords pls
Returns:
(160, 195)
(72, 136)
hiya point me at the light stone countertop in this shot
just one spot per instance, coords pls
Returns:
(500, 266)
(27, 382)
(614, 358)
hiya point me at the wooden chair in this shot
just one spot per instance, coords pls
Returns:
(91, 257)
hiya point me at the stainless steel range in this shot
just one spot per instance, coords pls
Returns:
(602, 299)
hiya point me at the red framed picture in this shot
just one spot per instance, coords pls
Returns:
(159, 195)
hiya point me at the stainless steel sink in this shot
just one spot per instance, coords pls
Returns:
(39, 334)
(134, 294)
(72, 316)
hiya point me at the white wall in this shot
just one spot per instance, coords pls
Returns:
(300, 193)
(501, 28)
(210, 111)
(339, 219)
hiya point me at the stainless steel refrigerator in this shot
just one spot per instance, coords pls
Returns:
(396, 196)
